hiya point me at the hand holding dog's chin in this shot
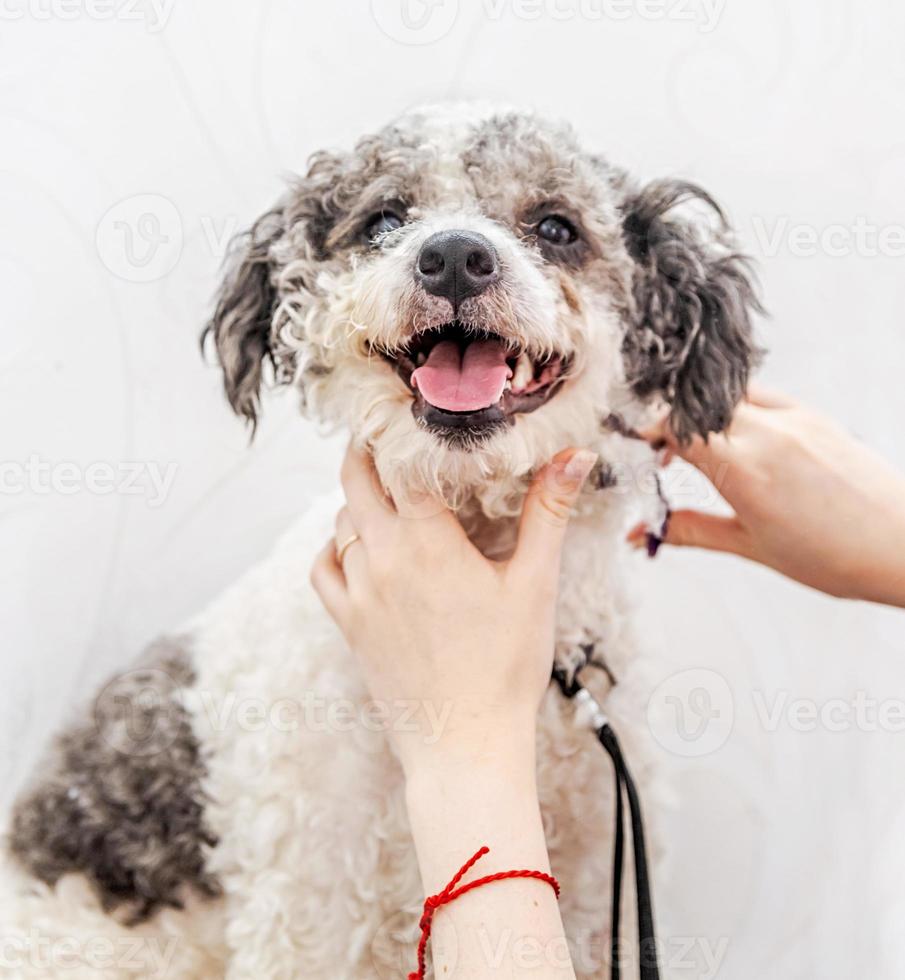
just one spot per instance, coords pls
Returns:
(464, 641)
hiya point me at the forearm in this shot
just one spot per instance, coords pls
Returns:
(510, 928)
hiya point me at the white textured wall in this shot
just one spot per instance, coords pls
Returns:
(786, 841)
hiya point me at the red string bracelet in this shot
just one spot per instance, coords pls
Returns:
(450, 893)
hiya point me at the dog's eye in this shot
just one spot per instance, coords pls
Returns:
(557, 230)
(382, 223)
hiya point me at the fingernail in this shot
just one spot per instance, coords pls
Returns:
(638, 531)
(579, 466)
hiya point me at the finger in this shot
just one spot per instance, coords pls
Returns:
(707, 455)
(693, 529)
(369, 507)
(660, 436)
(353, 560)
(764, 397)
(547, 509)
(330, 584)
(419, 505)
(428, 512)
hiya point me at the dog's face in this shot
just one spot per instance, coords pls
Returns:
(469, 292)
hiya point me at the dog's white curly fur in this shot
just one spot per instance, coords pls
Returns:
(315, 856)
(315, 859)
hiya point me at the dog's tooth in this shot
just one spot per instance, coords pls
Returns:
(523, 373)
(420, 358)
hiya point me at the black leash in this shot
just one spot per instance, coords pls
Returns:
(625, 786)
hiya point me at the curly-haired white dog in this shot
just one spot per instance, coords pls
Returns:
(467, 292)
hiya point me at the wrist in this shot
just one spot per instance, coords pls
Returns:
(474, 746)
(879, 574)
(455, 809)
(456, 771)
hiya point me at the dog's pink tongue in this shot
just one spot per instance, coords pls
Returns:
(463, 383)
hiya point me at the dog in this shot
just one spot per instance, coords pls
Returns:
(466, 292)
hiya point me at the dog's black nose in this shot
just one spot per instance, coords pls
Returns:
(456, 265)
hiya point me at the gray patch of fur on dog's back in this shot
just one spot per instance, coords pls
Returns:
(119, 799)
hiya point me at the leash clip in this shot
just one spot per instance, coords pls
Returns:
(589, 711)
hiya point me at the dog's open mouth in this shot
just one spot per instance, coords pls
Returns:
(472, 381)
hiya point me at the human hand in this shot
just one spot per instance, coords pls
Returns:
(435, 622)
(810, 501)
(432, 620)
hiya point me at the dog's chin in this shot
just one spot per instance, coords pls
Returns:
(525, 381)
(460, 429)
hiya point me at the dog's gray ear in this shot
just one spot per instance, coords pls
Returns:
(241, 323)
(692, 338)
